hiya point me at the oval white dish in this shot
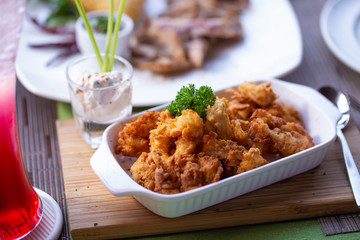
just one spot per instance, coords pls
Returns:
(319, 116)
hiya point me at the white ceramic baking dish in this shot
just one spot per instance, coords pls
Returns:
(319, 115)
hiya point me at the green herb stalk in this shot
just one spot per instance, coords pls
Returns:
(82, 13)
(111, 35)
(116, 33)
(108, 34)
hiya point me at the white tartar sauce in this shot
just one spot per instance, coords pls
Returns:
(100, 80)
(104, 96)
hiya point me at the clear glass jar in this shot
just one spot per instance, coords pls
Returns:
(96, 107)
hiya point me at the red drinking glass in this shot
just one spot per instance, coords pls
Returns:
(20, 207)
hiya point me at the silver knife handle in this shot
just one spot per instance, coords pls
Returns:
(353, 173)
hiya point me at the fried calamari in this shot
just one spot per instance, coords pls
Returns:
(134, 137)
(186, 152)
(285, 138)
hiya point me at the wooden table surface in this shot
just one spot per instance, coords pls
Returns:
(319, 67)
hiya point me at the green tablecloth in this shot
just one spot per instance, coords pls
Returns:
(294, 230)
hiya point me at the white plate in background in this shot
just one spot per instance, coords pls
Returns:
(272, 47)
(340, 28)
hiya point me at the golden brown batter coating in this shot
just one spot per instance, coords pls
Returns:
(287, 112)
(218, 121)
(252, 159)
(198, 170)
(134, 138)
(261, 94)
(180, 135)
(170, 175)
(188, 152)
(234, 157)
(285, 138)
(229, 152)
(249, 96)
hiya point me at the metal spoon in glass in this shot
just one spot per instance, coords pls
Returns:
(342, 103)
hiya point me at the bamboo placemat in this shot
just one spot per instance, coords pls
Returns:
(36, 118)
(340, 224)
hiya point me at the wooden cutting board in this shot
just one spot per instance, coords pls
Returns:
(94, 213)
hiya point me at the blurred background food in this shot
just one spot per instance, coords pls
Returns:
(59, 17)
(133, 8)
(182, 36)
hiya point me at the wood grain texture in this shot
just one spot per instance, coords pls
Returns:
(96, 214)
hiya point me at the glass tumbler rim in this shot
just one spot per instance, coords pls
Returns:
(126, 78)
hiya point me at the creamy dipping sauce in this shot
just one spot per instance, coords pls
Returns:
(100, 80)
(103, 96)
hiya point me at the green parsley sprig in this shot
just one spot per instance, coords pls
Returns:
(191, 98)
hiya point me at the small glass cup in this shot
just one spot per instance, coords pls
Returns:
(95, 109)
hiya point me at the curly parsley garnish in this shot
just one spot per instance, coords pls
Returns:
(191, 98)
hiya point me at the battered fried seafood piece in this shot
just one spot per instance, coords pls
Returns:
(156, 172)
(218, 121)
(241, 135)
(234, 157)
(252, 159)
(261, 94)
(287, 112)
(180, 135)
(133, 139)
(285, 138)
(249, 96)
(174, 174)
(160, 139)
(198, 170)
(172, 165)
